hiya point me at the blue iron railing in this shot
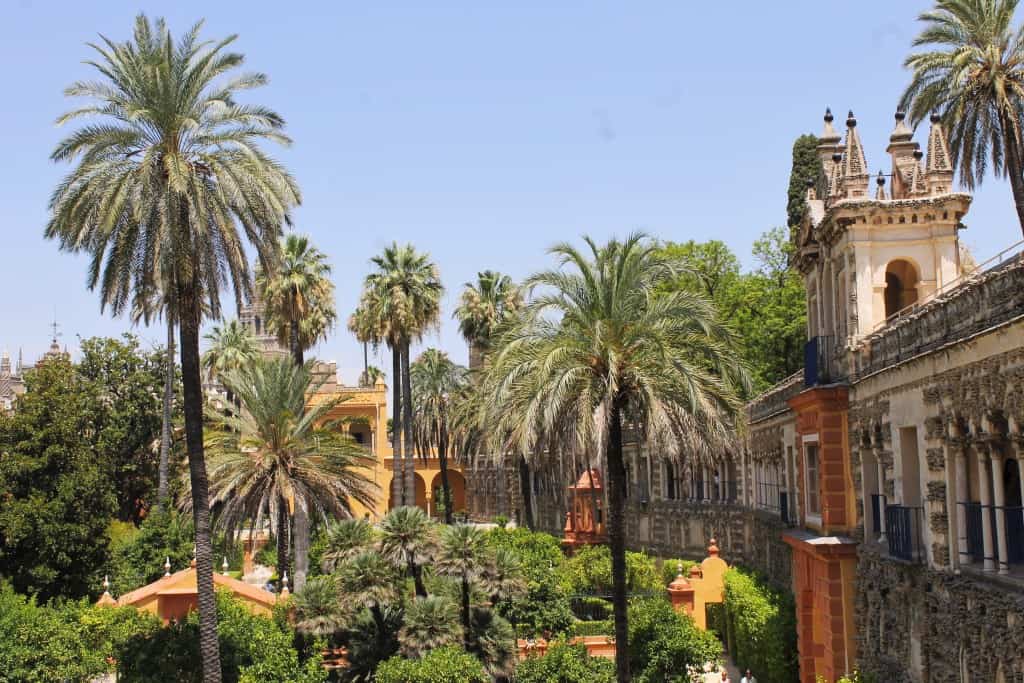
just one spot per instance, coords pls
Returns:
(903, 531)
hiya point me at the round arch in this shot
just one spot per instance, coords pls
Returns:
(457, 485)
(421, 493)
(902, 278)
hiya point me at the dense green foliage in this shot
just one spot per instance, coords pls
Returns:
(77, 453)
(138, 558)
(589, 570)
(253, 649)
(545, 607)
(764, 307)
(57, 492)
(665, 645)
(40, 644)
(410, 588)
(806, 166)
(443, 665)
(761, 623)
(564, 663)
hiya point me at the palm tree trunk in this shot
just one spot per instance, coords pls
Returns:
(192, 394)
(467, 635)
(397, 489)
(282, 540)
(165, 427)
(293, 342)
(617, 539)
(525, 493)
(410, 463)
(442, 461)
(417, 578)
(301, 536)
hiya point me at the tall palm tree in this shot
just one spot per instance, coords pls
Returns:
(298, 295)
(437, 383)
(166, 173)
(972, 78)
(600, 345)
(408, 541)
(232, 347)
(401, 301)
(370, 324)
(277, 453)
(484, 306)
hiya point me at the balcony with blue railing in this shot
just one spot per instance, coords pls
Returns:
(823, 363)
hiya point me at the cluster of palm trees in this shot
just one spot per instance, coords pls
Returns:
(456, 583)
(171, 187)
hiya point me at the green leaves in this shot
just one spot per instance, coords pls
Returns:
(77, 453)
(762, 627)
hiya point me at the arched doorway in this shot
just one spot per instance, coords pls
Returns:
(421, 494)
(457, 486)
(901, 282)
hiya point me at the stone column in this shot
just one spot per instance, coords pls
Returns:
(984, 485)
(999, 489)
(962, 496)
(706, 484)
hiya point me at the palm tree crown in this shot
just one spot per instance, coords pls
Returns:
(972, 77)
(400, 301)
(437, 385)
(171, 170)
(298, 295)
(483, 307)
(169, 184)
(232, 347)
(600, 343)
(277, 453)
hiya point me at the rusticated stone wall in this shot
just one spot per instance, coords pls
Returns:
(919, 624)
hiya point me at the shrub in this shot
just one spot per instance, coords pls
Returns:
(590, 571)
(604, 627)
(564, 663)
(665, 645)
(762, 627)
(443, 665)
(501, 521)
(253, 649)
(138, 559)
(66, 642)
(545, 606)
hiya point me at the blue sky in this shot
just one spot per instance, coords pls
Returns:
(482, 132)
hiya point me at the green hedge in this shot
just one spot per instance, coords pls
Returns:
(761, 626)
(564, 663)
(604, 627)
(665, 645)
(443, 665)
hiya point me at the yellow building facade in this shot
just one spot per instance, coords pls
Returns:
(364, 413)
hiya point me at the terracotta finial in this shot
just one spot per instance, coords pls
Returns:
(167, 566)
(713, 547)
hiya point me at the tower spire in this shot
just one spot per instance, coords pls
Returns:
(938, 169)
(828, 140)
(855, 167)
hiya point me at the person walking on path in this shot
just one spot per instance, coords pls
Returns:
(748, 677)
